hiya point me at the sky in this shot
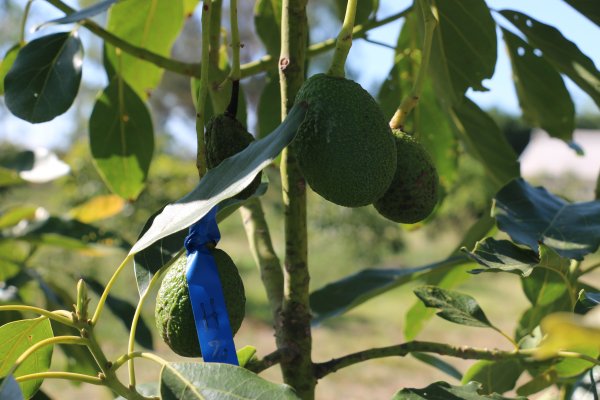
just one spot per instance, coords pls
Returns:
(501, 94)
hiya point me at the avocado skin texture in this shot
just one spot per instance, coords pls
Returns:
(344, 146)
(173, 312)
(226, 136)
(413, 193)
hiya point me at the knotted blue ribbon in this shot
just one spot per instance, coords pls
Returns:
(206, 292)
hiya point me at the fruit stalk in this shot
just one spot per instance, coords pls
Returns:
(343, 42)
(293, 329)
(411, 101)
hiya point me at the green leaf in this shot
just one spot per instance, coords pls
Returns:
(503, 255)
(9, 177)
(122, 139)
(189, 6)
(435, 133)
(7, 62)
(9, 389)
(36, 166)
(454, 306)
(148, 261)
(153, 25)
(11, 216)
(245, 354)
(561, 52)
(267, 21)
(269, 106)
(438, 363)
(17, 337)
(82, 14)
(66, 233)
(338, 297)
(570, 229)
(569, 331)
(44, 78)
(464, 48)
(418, 314)
(589, 8)
(485, 141)
(543, 96)
(495, 376)
(364, 10)
(207, 381)
(226, 180)
(444, 391)
(124, 311)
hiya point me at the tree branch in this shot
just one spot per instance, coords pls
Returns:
(263, 252)
(193, 69)
(401, 350)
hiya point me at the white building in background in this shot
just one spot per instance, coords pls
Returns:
(550, 157)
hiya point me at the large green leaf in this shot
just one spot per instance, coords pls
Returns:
(485, 141)
(454, 306)
(444, 391)
(148, 261)
(589, 8)
(122, 139)
(267, 21)
(124, 311)
(7, 62)
(543, 96)
(338, 297)
(82, 14)
(463, 51)
(570, 229)
(503, 255)
(226, 180)
(546, 291)
(429, 122)
(9, 389)
(495, 376)
(561, 52)
(151, 24)
(44, 78)
(269, 106)
(17, 337)
(214, 381)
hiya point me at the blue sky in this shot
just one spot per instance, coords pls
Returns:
(502, 95)
(379, 60)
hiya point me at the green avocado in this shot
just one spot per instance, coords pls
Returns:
(173, 312)
(344, 146)
(413, 193)
(225, 136)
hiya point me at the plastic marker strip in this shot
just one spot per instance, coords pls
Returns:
(206, 293)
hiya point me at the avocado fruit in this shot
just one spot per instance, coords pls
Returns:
(225, 136)
(173, 312)
(344, 146)
(413, 193)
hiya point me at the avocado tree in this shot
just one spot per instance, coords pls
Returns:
(398, 152)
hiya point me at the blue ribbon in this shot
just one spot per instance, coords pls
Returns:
(206, 292)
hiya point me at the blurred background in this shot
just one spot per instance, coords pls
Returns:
(342, 241)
